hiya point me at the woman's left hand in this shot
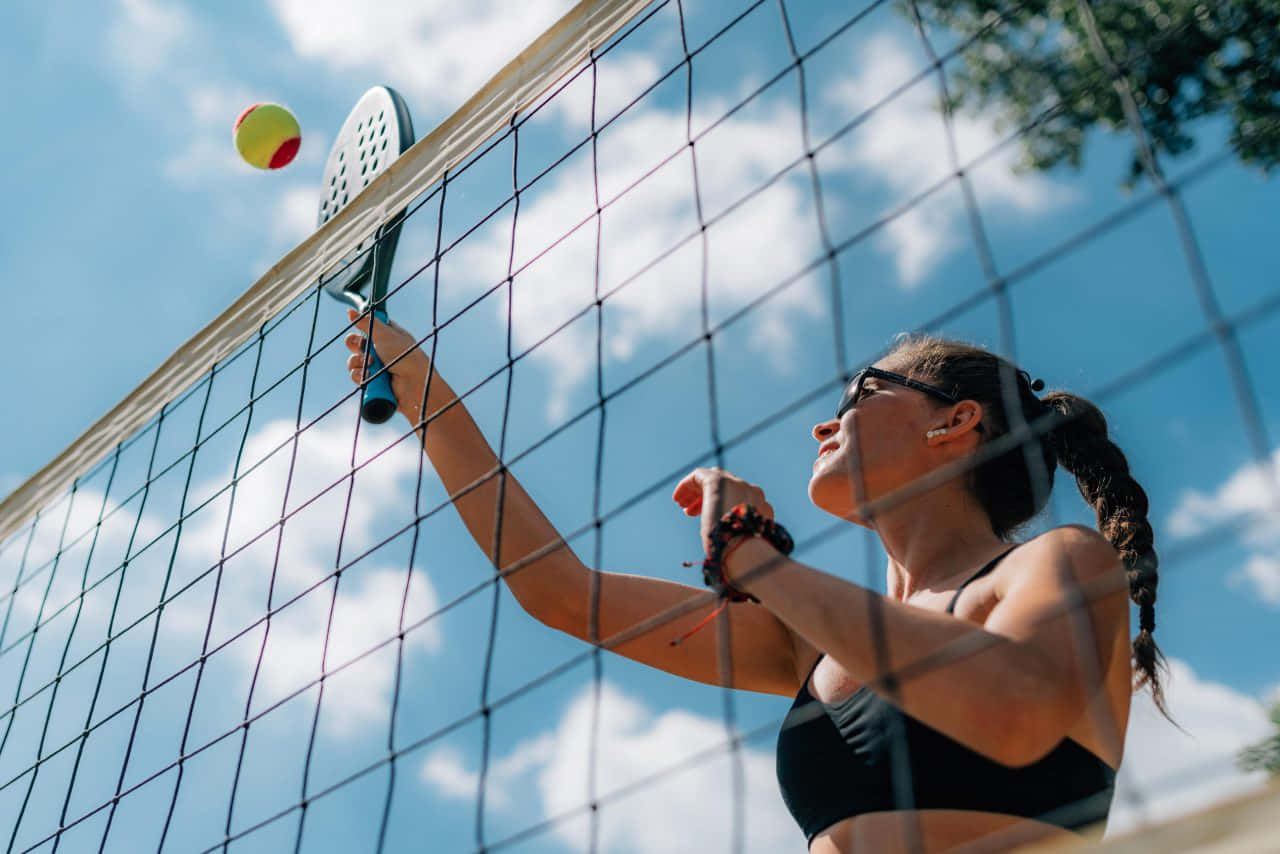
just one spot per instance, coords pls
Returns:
(711, 493)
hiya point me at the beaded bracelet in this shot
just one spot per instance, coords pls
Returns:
(742, 521)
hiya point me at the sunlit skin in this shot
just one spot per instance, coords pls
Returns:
(1045, 671)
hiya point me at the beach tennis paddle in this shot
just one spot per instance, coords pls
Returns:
(376, 132)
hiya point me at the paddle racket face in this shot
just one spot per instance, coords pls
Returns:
(376, 132)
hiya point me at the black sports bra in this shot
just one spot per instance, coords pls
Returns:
(862, 754)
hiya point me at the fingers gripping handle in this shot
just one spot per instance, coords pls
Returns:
(379, 402)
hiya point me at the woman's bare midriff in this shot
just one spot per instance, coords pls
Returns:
(929, 831)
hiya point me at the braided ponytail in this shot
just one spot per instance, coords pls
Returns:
(1102, 473)
(1013, 486)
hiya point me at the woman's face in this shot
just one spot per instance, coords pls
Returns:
(875, 447)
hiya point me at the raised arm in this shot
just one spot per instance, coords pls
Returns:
(555, 586)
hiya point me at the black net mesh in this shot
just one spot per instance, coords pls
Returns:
(260, 625)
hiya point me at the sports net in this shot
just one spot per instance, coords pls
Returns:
(237, 618)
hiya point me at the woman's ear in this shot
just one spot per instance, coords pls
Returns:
(965, 417)
(962, 419)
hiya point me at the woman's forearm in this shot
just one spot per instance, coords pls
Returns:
(471, 474)
(921, 659)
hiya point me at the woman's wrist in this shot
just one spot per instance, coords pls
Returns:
(734, 532)
(743, 555)
(432, 391)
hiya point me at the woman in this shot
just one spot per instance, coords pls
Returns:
(982, 702)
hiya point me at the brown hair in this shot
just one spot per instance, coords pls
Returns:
(1013, 484)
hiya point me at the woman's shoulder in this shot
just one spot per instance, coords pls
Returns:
(1078, 549)
(1049, 573)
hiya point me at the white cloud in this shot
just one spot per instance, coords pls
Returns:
(363, 618)
(1250, 492)
(38, 563)
(147, 34)
(211, 105)
(368, 605)
(754, 248)
(202, 159)
(618, 80)
(446, 770)
(296, 213)
(1165, 772)
(1262, 573)
(650, 219)
(921, 237)
(439, 51)
(635, 744)
(696, 803)
(1250, 495)
(904, 147)
(209, 153)
(370, 595)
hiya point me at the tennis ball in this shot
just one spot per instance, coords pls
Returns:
(267, 136)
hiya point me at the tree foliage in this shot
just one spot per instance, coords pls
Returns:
(1265, 755)
(1184, 60)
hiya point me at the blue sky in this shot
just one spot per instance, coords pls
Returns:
(133, 225)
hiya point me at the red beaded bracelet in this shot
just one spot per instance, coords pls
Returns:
(742, 521)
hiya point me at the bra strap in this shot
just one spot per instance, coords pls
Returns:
(951, 608)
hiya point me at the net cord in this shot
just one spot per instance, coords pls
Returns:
(723, 624)
(597, 489)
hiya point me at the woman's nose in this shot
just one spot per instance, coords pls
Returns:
(825, 429)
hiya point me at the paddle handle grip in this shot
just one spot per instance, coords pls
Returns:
(379, 402)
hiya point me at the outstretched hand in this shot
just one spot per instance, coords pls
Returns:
(391, 342)
(711, 492)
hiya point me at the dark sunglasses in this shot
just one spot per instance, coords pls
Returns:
(853, 391)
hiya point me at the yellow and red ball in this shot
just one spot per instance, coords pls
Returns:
(267, 136)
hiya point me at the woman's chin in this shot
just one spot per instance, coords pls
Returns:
(833, 499)
(832, 494)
